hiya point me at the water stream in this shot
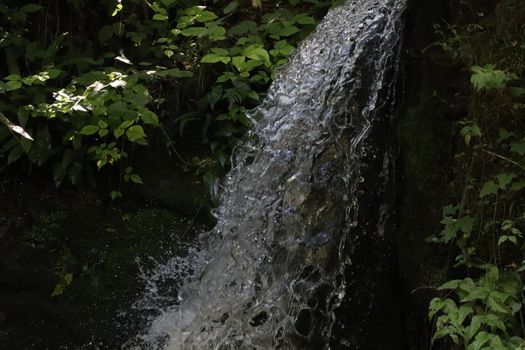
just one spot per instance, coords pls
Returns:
(271, 273)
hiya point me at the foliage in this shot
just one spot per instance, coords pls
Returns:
(79, 96)
(483, 308)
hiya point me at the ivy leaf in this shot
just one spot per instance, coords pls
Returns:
(488, 188)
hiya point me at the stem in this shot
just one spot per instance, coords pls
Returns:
(505, 158)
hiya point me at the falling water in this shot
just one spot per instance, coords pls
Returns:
(273, 266)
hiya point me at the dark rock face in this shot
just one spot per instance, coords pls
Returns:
(69, 266)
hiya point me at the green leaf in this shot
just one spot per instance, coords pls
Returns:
(135, 178)
(497, 306)
(258, 53)
(288, 30)
(168, 3)
(135, 133)
(15, 153)
(479, 293)
(232, 6)
(205, 16)
(13, 77)
(488, 78)
(504, 179)
(115, 195)
(13, 85)
(214, 58)
(89, 130)
(239, 62)
(454, 284)
(126, 124)
(149, 117)
(219, 51)
(519, 147)
(30, 8)
(105, 33)
(118, 132)
(159, 17)
(488, 188)
(304, 19)
(195, 31)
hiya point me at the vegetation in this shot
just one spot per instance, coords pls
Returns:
(482, 306)
(88, 83)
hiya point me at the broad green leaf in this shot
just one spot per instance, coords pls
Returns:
(118, 132)
(115, 195)
(105, 33)
(288, 30)
(488, 78)
(504, 179)
(135, 178)
(479, 293)
(219, 51)
(497, 306)
(195, 31)
(13, 85)
(258, 53)
(214, 58)
(89, 130)
(13, 77)
(304, 19)
(454, 284)
(126, 124)
(168, 3)
(239, 62)
(14, 154)
(519, 147)
(149, 117)
(232, 6)
(205, 16)
(135, 133)
(159, 17)
(30, 8)
(488, 188)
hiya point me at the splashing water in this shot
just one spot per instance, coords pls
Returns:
(273, 269)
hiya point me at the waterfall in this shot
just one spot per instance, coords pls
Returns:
(272, 270)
